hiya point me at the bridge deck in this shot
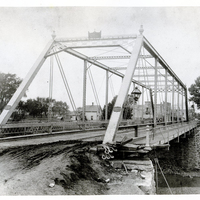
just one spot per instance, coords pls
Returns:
(164, 134)
(157, 136)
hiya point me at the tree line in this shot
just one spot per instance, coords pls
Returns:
(39, 107)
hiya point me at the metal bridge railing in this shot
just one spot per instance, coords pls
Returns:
(49, 127)
(46, 127)
(166, 132)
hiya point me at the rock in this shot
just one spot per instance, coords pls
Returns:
(142, 176)
(51, 185)
(103, 180)
(107, 180)
(134, 171)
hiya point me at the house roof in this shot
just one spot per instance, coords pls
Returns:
(91, 108)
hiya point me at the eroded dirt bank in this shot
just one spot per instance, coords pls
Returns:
(62, 169)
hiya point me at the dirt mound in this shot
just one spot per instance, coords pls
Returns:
(59, 169)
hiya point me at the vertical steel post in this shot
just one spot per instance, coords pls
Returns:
(178, 104)
(118, 107)
(172, 99)
(134, 106)
(106, 100)
(50, 94)
(166, 97)
(50, 89)
(84, 88)
(152, 105)
(186, 106)
(182, 91)
(155, 92)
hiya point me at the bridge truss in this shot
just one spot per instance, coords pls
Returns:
(142, 66)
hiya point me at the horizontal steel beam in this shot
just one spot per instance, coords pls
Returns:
(137, 68)
(109, 57)
(159, 85)
(86, 39)
(94, 46)
(169, 90)
(60, 49)
(119, 68)
(150, 75)
(98, 64)
(117, 57)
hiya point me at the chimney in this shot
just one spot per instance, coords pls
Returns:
(92, 103)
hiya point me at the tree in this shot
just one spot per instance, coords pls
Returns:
(19, 114)
(127, 113)
(110, 108)
(8, 85)
(60, 108)
(195, 92)
(127, 110)
(39, 107)
(44, 105)
(33, 107)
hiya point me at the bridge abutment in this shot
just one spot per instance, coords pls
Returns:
(187, 151)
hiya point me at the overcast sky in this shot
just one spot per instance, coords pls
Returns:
(173, 31)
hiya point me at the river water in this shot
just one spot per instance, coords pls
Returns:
(178, 184)
(185, 156)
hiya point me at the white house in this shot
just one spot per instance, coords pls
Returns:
(92, 112)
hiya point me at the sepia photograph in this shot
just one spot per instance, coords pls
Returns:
(99, 99)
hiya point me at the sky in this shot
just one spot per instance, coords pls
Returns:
(24, 32)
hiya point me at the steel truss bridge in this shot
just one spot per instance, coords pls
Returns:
(132, 59)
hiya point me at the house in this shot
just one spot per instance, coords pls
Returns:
(92, 112)
(72, 116)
